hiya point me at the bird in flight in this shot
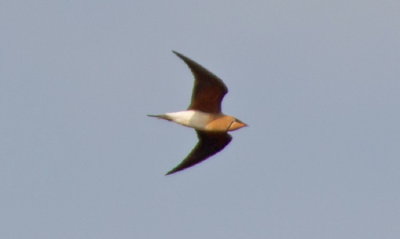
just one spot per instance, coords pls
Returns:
(204, 115)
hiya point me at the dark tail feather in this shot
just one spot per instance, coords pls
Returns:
(156, 116)
(160, 117)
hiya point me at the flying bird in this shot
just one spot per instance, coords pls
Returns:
(204, 115)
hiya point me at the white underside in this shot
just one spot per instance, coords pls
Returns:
(191, 118)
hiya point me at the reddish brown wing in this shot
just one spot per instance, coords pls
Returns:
(208, 90)
(208, 145)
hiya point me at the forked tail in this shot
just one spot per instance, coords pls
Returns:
(162, 116)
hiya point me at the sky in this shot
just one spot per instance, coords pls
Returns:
(318, 83)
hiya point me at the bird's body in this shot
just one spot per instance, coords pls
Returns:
(204, 115)
(201, 120)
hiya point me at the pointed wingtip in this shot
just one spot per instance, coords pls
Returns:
(178, 54)
(172, 171)
(175, 170)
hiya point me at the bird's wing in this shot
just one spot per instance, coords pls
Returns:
(208, 90)
(208, 145)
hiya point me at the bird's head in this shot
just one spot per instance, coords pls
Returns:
(236, 124)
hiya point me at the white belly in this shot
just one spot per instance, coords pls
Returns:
(191, 118)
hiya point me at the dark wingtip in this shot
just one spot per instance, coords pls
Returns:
(179, 55)
(172, 171)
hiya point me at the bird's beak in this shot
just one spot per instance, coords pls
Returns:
(237, 125)
(244, 125)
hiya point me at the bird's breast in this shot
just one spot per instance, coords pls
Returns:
(221, 123)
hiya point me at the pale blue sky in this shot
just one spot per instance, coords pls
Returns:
(317, 81)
